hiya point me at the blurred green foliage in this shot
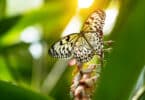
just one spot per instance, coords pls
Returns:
(18, 65)
(9, 91)
(120, 75)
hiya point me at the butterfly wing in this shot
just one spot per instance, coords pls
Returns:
(86, 46)
(63, 47)
(94, 22)
(82, 47)
(82, 51)
(95, 41)
(93, 30)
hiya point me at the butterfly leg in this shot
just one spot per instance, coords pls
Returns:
(108, 50)
(108, 43)
(101, 57)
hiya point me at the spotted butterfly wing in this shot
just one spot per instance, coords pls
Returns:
(92, 34)
(93, 30)
(82, 51)
(73, 45)
(86, 44)
(63, 47)
(94, 22)
(95, 41)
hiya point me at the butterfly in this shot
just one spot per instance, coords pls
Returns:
(84, 45)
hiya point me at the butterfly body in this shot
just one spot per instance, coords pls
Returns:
(84, 45)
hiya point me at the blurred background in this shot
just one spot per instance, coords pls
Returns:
(29, 27)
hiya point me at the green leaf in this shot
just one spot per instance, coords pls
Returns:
(12, 27)
(7, 23)
(127, 60)
(13, 92)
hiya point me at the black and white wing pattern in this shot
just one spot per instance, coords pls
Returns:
(95, 21)
(93, 30)
(63, 47)
(73, 45)
(82, 51)
(84, 45)
(95, 41)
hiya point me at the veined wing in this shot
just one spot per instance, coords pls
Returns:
(94, 22)
(85, 44)
(95, 41)
(82, 51)
(63, 47)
